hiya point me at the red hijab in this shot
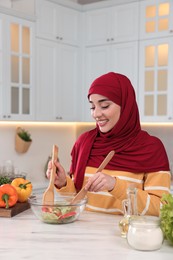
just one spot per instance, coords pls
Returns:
(135, 150)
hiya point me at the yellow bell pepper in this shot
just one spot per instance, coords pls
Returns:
(23, 188)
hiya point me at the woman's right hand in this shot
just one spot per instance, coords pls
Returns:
(60, 177)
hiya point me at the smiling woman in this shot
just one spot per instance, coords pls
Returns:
(140, 159)
(105, 112)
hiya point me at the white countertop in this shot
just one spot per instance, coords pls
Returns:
(93, 236)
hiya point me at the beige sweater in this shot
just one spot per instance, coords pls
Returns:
(150, 188)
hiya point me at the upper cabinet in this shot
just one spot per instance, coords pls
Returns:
(156, 61)
(17, 79)
(111, 25)
(57, 23)
(156, 18)
(57, 81)
(74, 45)
(111, 44)
(1, 66)
(57, 59)
(156, 80)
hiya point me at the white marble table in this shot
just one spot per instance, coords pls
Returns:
(93, 237)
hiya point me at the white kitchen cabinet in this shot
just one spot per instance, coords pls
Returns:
(17, 84)
(120, 58)
(156, 80)
(111, 25)
(156, 19)
(57, 61)
(57, 23)
(57, 81)
(1, 66)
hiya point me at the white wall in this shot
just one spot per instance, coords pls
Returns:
(33, 161)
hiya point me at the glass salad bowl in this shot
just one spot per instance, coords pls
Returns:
(60, 212)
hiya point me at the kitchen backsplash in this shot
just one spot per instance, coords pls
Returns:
(64, 135)
(43, 137)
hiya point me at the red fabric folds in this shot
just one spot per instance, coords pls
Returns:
(135, 150)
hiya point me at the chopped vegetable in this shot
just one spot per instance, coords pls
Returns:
(167, 217)
(8, 196)
(68, 215)
(58, 215)
(23, 187)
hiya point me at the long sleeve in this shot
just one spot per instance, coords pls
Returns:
(70, 187)
(149, 192)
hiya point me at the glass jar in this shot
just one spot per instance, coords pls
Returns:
(144, 233)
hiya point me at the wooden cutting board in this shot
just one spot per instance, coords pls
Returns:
(16, 209)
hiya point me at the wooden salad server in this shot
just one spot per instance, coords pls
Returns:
(48, 195)
(81, 194)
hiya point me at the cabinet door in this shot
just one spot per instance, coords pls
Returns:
(18, 87)
(46, 19)
(124, 60)
(57, 68)
(46, 79)
(67, 71)
(110, 25)
(124, 22)
(1, 66)
(156, 80)
(97, 63)
(67, 21)
(156, 18)
(97, 24)
(57, 23)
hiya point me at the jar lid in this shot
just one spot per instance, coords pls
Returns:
(141, 221)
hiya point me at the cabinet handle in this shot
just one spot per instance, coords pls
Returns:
(57, 37)
(6, 116)
(169, 118)
(59, 117)
(108, 40)
(61, 38)
(112, 39)
(171, 31)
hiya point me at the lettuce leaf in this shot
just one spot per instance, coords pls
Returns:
(166, 215)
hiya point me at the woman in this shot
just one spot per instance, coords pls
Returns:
(140, 159)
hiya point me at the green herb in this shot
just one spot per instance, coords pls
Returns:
(167, 217)
(25, 135)
(4, 180)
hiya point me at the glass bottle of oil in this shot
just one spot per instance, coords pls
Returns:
(124, 222)
(130, 210)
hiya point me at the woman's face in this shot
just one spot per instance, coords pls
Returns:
(104, 111)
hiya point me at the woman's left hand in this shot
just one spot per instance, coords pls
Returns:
(99, 182)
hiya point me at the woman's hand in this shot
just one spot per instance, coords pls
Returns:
(100, 181)
(60, 177)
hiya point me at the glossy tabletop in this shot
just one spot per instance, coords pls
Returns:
(93, 236)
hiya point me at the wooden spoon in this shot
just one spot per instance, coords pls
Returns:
(48, 195)
(81, 194)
